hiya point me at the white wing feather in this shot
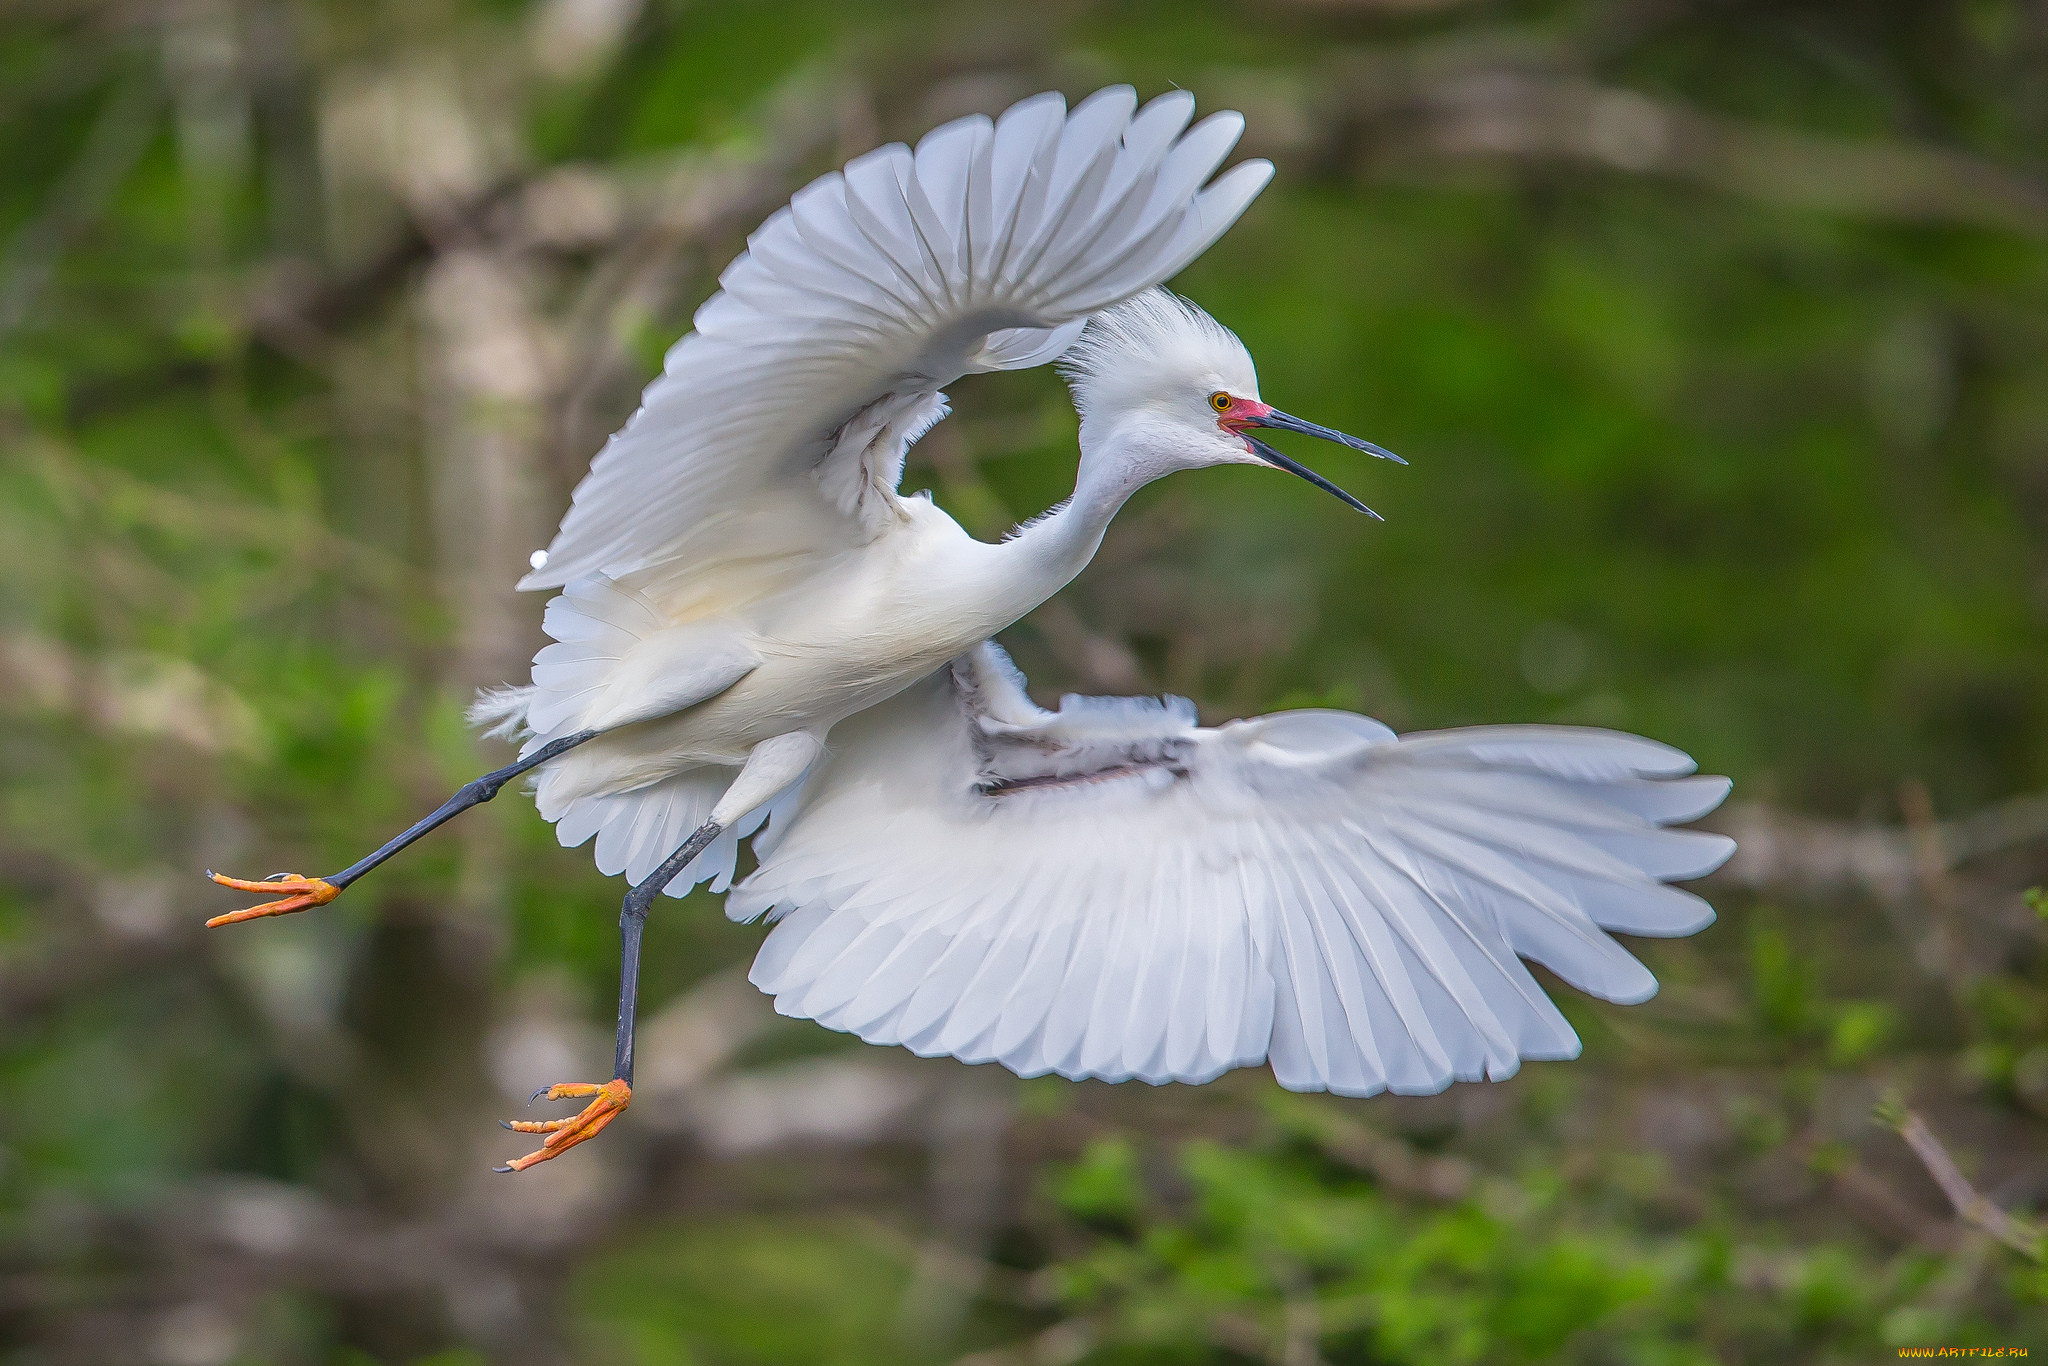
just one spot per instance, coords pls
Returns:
(821, 357)
(1113, 891)
(636, 831)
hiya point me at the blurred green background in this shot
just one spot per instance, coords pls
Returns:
(1717, 336)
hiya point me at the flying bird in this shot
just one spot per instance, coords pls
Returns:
(757, 636)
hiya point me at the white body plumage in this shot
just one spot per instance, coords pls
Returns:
(756, 624)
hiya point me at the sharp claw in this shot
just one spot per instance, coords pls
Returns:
(607, 1103)
(568, 1090)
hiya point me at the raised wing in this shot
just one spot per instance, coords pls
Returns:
(1111, 891)
(822, 355)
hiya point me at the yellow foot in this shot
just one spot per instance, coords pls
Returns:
(305, 892)
(607, 1103)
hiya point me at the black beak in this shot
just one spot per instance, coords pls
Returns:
(1286, 423)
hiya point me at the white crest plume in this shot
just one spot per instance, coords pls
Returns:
(1153, 346)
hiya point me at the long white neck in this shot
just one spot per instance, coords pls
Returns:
(1044, 556)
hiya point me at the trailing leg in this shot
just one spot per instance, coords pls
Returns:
(772, 766)
(318, 891)
(611, 1098)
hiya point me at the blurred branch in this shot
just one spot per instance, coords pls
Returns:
(297, 308)
(127, 694)
(1465, 99)
(103, 934)
(1882, 1209)
(1378, 7)
(2004, 825)
(492, 1242)
(297, 535)
(965, 1271)
(1387, 1160)
(1974, 1208)
(1301, 1320)
(1516, 116)
(1063, 1344)
(1912, 873)
(114, 144)
(1939, 894)
(1789, 851)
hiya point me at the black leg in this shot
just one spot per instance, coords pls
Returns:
(632, 921)
(473, 793)
(609, 1101)
(305, 892)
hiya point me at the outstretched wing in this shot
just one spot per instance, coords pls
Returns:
(1111, 891)
(784, 416)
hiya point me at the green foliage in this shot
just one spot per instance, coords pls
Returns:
(1861, 1030)
(1267, 1246)
(765, 1292)
(1103, 1185)
(1783, 984)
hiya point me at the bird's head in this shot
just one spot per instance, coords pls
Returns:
(1162, 386)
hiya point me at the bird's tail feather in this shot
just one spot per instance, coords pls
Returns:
(501, 712)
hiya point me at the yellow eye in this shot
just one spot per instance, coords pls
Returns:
(1220, 401)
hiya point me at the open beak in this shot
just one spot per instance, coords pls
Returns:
(1263, 416)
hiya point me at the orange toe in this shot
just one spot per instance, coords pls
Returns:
(306, 892)
(607, 1103)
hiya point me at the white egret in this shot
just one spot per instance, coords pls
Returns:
(755, 627)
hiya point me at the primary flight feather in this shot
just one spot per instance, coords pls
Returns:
(755, 628)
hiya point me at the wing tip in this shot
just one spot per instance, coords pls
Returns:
(1260, 167)
(1222, 118)
(1715, 851)
(1121, 92)
(1712, 790)
(1631, 991)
